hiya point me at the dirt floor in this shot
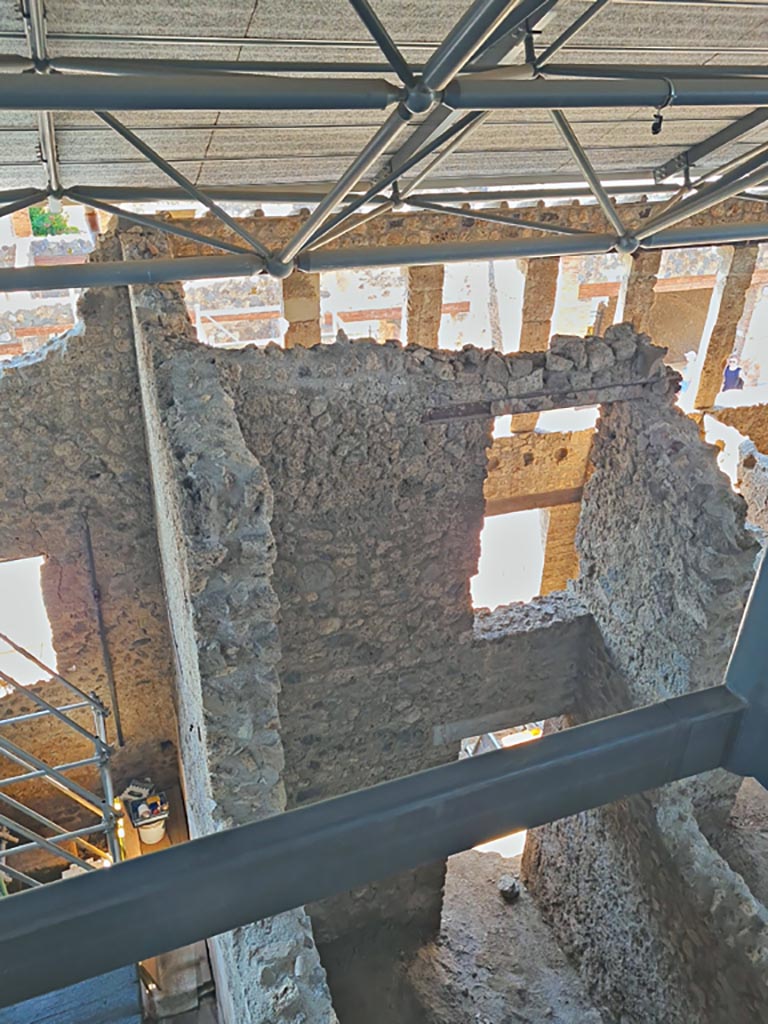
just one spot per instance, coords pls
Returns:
(495, 962)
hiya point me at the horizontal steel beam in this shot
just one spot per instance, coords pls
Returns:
(730, 133)
(55, 936)
(451, 252)
(654, 70)
(196, 268)
(201, 91)
(513, 189)
(475, 93)
(213, 91)
(714, 234)
(155, 66)
(107, 275)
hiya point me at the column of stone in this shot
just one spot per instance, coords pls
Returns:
(638, 305)
(723, 336)
(424, 304)
(561, 560)
(538, 308)
(301, 308)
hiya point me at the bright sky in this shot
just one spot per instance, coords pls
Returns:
(511, 559)
(24, 619)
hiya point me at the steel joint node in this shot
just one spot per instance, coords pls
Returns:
(627, 244)
(279, 268)
(419, 99)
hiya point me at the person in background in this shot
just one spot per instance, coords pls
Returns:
(688, 371)
(732, 379)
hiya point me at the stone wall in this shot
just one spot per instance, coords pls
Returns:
(666, 564)
(533, 470)
(752, 482)
(376, 456)
(71, 441)
(213, 505)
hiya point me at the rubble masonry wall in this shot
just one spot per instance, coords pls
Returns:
(666, 564)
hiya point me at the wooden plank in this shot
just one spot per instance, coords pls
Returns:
(525, 502)
(113, 998)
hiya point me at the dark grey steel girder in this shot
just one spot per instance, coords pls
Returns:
(585, 166)
(166, 226)
(473, 92)
(730, 133)
(98, 275)
(202, 91)
(494, 217)
(469, 33)
(312, 193)
(373, 23)
(655, 70)
(576, 26)
(450, 252)
(213, 91)
(66, 932)
(107, 275)
(703, 200)
(182, 181)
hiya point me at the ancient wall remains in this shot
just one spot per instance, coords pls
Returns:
(71, 442)
(665, 567)
(213, 506)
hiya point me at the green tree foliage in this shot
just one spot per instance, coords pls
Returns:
(46, 223)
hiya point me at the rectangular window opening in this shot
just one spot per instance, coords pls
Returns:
(509, 845)
(511, 558)
(24, 618)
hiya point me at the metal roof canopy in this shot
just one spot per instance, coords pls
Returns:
(498, 57)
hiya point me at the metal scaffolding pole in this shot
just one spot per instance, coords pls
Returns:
(450, 134)
(494, 217)
(384, 137)
(581, 158)
(139, 66)
(55, 936)
(703, 200)
(122, 272)
(466, 37)
(385, 42)
(195, 91)
(350, 224)
(183, 181)
(583, 19)
(33, 13)
(450, 252)
(515, 27)
(168, 227)
(476, 93)
(464, 40)
(515, 191)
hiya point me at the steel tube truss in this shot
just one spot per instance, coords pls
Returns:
(195, 91)
(493, 217)
(53, 937)
(473, 92)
